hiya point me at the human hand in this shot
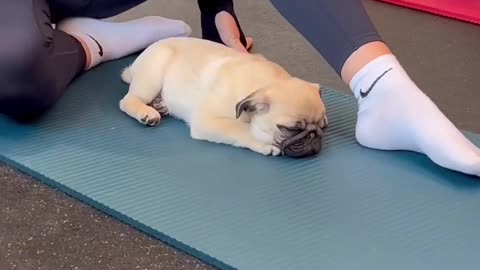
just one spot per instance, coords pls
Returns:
(230, 33)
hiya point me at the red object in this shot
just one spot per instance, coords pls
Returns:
(464, 10)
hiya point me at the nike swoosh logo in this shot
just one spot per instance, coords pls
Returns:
(365, 94)
(100, 52)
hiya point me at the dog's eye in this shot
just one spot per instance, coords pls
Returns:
(300, 125)
(284, 128)
(289, 129)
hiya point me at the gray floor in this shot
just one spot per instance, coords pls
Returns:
(41, 228)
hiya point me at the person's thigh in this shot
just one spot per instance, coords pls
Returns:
(98, 9)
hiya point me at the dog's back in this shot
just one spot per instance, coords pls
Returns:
(187, 71)
(184, 66)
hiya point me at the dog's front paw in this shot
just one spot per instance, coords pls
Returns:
(149, 116)
(274, 151)
(267, 150)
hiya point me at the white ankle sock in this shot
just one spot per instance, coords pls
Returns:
(112, 40)
(394, 114)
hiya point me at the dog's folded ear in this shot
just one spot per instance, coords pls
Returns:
(315, 85)
(319, 87)
(257, 102)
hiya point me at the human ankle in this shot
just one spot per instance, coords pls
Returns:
(361, 57)
(87, 53)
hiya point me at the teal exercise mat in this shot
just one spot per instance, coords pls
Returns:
(348, 208)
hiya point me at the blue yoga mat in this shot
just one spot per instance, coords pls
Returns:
(348, 208)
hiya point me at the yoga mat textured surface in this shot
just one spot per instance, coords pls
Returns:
(348, 208)
(464, 10)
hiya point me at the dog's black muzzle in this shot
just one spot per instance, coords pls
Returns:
(307, 142)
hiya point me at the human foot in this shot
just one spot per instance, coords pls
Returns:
(107, 41)
(394, 114)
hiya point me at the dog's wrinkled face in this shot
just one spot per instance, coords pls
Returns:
(289, 114)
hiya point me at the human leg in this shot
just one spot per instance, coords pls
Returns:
(97, 9)
(105, 41)
(394, 114)
(37, 62)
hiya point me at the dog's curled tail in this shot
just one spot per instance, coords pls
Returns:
(127, 75)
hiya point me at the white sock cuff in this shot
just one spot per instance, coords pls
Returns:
(373, 69)
(93, 48)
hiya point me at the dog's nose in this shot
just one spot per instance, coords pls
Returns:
(310, 145)
(316, 144)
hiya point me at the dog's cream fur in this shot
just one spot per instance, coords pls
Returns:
(204, 83)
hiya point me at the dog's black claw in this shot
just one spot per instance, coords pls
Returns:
(158, 105)
(163, 112)
(150, 121)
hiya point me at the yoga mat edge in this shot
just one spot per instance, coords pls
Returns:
(117, 215)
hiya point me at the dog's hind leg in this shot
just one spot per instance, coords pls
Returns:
(145, 85)
(160, 106)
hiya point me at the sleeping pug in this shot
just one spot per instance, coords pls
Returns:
(225, 96)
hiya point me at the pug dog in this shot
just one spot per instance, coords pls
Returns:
(225, 96)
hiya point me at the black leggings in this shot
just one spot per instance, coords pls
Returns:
(336, 28)
(37, 62)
